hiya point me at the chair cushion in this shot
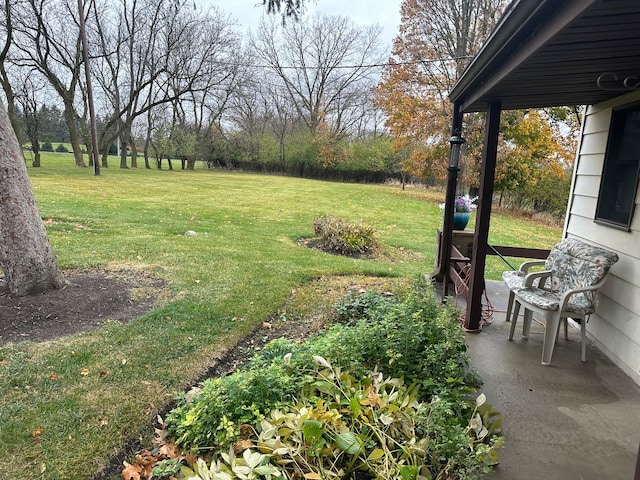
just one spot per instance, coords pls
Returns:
(513, 278)
(547, 300)
(575, 264)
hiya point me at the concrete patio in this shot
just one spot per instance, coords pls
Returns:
(571, 420)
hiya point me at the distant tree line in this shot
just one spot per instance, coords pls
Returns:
(174, 82)
(308, 96)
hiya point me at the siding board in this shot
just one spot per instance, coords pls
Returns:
(594, 143)
(590, 164)
(587, 186)
(597, 121)
(622, 350)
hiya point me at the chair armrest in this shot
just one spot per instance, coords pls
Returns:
(531, 277)
(532, 263)
(564, 299)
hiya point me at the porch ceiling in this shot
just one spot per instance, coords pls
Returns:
(550, 53)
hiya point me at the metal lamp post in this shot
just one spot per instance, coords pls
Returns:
(456, 141)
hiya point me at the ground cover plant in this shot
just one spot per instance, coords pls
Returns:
(402, 410)
(68, 404)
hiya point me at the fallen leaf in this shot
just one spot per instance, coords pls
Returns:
(84, 372)
(374, 398)
(312, 476)
(266, 325)
(53, 376)
(242, 445)
(246, 430)
(103, 423)
(132, 472)
(191, 459)
(37, 431)
(171, 450)
(104, 373)
(145, 458)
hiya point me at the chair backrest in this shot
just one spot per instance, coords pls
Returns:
(575, 264)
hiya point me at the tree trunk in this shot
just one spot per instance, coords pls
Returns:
(123, 151)
(105, 158)
(146, 156)
(74, 136)
(26, 257)
(134, 153)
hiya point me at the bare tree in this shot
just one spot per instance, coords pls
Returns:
(27, 96)
(155, 52)
(6, 27)
(324, 65)
(46, 38)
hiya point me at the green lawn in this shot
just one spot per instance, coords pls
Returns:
(234, 274)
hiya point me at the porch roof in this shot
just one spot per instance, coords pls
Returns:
(550, 53)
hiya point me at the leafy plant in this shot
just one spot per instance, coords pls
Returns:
(167, 468)
(376, 425)
(211, 416)
(338, 235)
(354, 412)
(250, 466)
(363, 305)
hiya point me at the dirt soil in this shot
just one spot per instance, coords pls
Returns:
(89, 298)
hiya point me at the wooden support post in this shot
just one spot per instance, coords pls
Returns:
(483, 216)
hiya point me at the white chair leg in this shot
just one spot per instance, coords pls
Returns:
(526, 324)
(583, 333)
(509, 305)
(516, 309)
(550, 335)
(514, 320)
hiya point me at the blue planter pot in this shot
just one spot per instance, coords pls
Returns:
(460, 220)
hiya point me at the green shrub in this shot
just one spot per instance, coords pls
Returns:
(338, 235)
(61, 148)
(46, 147)
(414, 338)
(213, 417)
(355, 307)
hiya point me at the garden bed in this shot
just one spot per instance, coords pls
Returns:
(385, 392)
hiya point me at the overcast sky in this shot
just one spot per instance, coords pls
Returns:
(386, 13)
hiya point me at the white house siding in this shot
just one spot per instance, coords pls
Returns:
(615, 328)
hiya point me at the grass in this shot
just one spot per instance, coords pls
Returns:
(67, 405)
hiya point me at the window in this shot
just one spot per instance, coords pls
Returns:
(617, 195)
